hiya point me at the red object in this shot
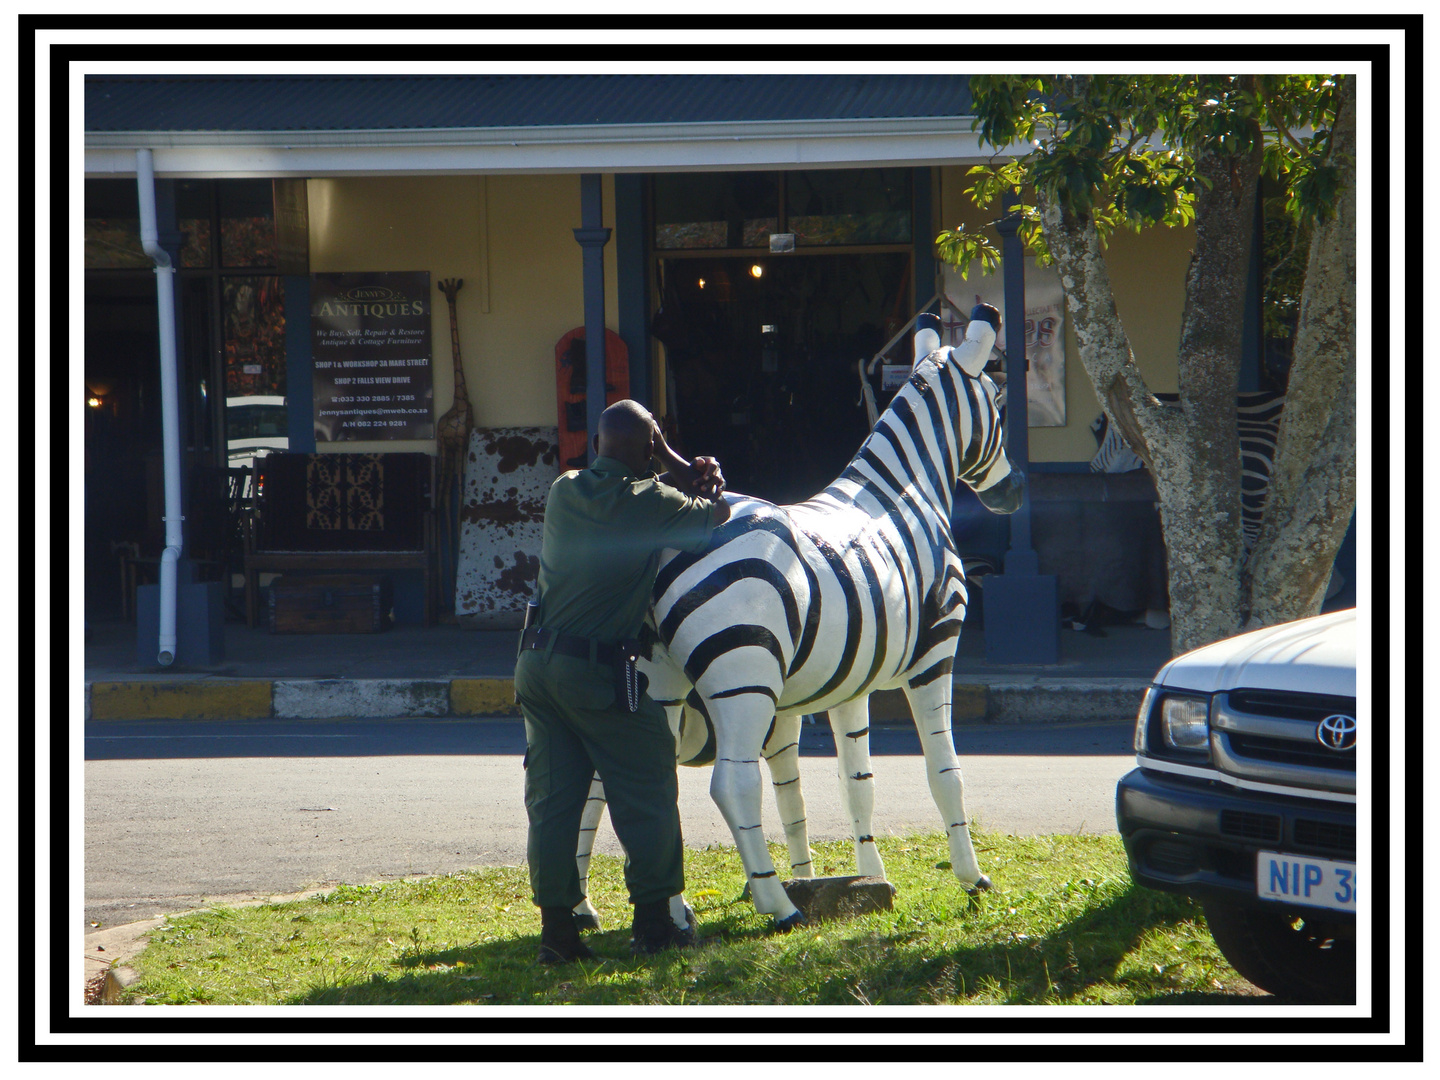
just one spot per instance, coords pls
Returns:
(570, 407)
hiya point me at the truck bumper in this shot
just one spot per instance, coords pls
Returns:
(1200, 839)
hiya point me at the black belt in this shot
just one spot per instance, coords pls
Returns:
(572, 645)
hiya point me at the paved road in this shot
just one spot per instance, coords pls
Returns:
(180, 814)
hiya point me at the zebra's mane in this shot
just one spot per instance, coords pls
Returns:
(929, 399)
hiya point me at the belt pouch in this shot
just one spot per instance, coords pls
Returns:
(531, 608)
(631, 682)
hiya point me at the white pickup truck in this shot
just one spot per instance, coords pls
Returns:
(1244, 798)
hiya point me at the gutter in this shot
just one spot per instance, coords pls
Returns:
(602, 148)
(947, 127)
(169, 402)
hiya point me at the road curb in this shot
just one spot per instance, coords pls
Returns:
(996, 701)
(194, 699)
(325, 699)
(1024, 702)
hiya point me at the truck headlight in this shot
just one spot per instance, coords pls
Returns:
(1185, 722)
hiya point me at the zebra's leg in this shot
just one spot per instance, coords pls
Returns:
(740, 725)
(681, 913)
(586, 917)
(851, 724)
(930, 707)
(782, 755)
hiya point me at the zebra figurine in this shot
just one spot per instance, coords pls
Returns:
(811, 607)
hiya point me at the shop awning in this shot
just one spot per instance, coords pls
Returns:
(436, 124)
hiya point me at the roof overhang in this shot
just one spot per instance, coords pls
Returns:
(613, 148)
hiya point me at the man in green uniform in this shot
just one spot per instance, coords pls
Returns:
(605, 527)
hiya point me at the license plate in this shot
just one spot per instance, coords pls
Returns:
(1297, 879)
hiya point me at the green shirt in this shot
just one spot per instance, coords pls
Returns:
(604, 530)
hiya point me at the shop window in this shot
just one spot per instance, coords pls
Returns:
(194, 207)
(254, 336)
(715, 210)
(112, 224)
(247, 224)
(848, 206)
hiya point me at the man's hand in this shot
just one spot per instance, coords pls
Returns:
(709, 481)
(700, 476)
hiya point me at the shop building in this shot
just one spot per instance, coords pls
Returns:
(749, 243)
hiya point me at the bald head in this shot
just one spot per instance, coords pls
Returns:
(627, 432)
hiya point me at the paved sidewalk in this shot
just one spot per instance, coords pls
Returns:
(451, 670)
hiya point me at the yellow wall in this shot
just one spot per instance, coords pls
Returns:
(515, 232)
(1147, 272)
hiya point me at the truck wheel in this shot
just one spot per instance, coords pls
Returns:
(1288, 953)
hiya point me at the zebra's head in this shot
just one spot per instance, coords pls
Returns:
(974, 441)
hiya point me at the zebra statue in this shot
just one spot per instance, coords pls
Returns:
(812, 607)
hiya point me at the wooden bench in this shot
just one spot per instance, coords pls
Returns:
(342, 512)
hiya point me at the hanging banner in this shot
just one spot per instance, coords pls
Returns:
(1044, 331)
(372, 361)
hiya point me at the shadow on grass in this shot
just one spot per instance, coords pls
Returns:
(506, 972)
(1090, 958)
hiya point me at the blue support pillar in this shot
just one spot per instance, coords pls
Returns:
(631, 292)
(1022, 608)
(592, 238)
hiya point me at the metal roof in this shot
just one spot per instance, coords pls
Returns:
(184, 103)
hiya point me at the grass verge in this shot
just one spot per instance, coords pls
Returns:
(1064, 925)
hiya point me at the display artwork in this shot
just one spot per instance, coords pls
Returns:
(372, 356)
(254, 336)
(1044, 331)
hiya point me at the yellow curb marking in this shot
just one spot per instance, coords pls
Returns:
(239, 699)
(483, 697)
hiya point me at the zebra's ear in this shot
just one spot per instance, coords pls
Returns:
(972, 353)
(927, 336)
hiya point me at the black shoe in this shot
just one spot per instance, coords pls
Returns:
(559, 940)
(654, 930)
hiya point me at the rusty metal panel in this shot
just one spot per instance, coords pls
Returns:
(508, 473)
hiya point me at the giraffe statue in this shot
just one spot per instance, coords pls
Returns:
(453, 434)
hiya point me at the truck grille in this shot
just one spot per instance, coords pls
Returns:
(1251, 826)
(1271, 736)
(1325, 835)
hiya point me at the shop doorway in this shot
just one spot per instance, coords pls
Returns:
(122, 433)
(762, 357)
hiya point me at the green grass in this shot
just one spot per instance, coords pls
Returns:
(1064, 925)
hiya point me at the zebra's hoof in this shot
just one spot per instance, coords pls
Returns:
(586, 922)
(982, 884)
(790, 922)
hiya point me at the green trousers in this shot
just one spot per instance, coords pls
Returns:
(574, 727)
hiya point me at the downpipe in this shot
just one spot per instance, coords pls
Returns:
(169, 402)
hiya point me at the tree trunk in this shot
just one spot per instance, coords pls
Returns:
(1199, 469)
(1193, 451)
(1312, 481)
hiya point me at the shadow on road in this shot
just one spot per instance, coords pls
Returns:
(180, 739)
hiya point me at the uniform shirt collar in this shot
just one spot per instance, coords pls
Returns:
(615, 467)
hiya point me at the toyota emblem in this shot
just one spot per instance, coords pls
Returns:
(1336, 732)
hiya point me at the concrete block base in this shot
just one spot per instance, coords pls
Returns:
(825, 898)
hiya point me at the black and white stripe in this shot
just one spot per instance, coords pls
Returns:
(1257, 419)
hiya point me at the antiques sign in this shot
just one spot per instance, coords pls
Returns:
(371, 338)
